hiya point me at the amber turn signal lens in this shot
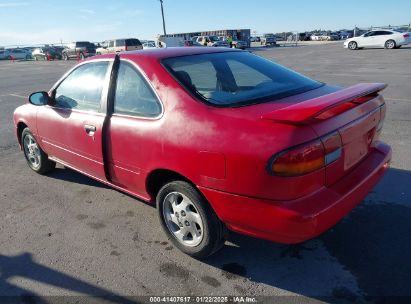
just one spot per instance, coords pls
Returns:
(300, 160)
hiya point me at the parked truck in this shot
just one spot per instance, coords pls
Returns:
(268, 39)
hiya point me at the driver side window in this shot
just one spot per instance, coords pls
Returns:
(82, 88)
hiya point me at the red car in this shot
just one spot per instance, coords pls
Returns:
(216, 138)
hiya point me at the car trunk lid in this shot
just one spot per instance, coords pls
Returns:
(355, 113)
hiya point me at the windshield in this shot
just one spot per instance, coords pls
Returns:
(213, 38)
(236, 78)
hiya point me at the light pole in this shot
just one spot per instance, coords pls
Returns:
(162, 14)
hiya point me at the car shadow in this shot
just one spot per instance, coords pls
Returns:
(72, 176)
(69, 175)
(23, 266)
(364, 257)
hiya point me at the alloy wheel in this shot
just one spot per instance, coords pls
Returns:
(183, 219)
(32, 151)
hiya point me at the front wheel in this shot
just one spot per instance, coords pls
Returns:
(188, 220)
(390, 44)
(352, 45)
(36, 158)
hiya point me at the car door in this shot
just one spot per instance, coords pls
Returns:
(377, 39)
(132, 134)
(369, 39)
(17, 54)
(71, 127)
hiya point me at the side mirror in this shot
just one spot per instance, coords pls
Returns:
(39, 98)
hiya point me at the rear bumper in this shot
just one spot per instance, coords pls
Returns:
(307, 217)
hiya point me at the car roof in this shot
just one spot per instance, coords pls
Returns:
(177, 51)
(162, 53)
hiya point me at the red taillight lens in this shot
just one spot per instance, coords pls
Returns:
(300, 160)
(308, 157)
(406, 35)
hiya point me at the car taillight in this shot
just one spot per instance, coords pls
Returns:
(308, 157)
(406, 35)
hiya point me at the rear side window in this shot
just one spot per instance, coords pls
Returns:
(120, 42)
(236, 78)
(82, 89)
(133, 95)
(83, 44)
(133, 42)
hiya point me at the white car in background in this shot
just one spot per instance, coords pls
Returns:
(388, 39)
(149, 45)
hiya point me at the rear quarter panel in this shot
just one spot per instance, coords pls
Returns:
(237, 142)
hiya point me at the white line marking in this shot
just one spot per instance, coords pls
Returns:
(397, 99)
(19, 96)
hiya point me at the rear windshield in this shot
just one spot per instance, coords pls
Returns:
(83, 44)
(236, 78)
(133, 42)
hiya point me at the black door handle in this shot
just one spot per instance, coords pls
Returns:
(90, 129)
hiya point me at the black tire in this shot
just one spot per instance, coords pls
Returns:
(352, 45)
(213, 232)
(390, 44)
(44, 165)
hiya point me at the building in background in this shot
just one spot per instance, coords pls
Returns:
(240, 34)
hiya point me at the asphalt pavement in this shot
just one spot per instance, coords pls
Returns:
(67, 235)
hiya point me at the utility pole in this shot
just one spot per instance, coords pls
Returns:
(162, 14)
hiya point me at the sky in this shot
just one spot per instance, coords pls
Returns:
(24, 22)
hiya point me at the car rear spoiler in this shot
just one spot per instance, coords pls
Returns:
(325, 106)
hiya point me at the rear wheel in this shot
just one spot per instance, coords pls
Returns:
(188, 220)
(390, 44)
(352, 45)
(36, 158)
